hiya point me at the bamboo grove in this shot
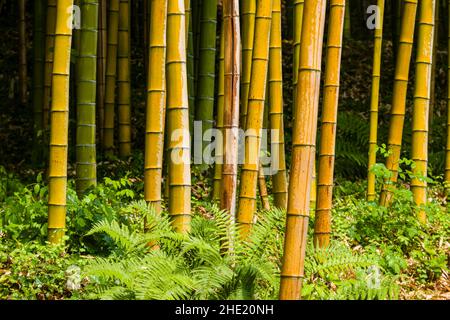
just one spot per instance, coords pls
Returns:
(214, 69)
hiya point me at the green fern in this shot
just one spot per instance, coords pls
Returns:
(213, 262)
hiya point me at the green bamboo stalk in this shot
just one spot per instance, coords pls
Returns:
(86, 167)
(196, 9)
(191, 71)
(101, 66)
(206, 72)
(123, 80)
(111, 75)
(220, 114)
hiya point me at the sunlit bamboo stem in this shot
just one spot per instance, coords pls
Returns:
(156, 104)
(422, 89)
(232, 67)
(399, 97)
(374, 102)
(322, 223)
(303, 152)
(178, 118)
(59, 119)
(279, 180)
(255, 115)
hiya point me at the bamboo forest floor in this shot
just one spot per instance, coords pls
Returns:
(376, 252)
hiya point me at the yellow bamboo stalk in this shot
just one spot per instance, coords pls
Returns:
(59, 123)
(422, 89)
(322, 225)
(123, 80)
(156, 104)
(279, 180)
(447, 149)
(256, 98)
(304, 138)
(374, 102)
(248, 34)
(232, 67)
(111, 68)
(49, 51)
(399, 97)
(298, 18)
(220, 113)
(178, 118)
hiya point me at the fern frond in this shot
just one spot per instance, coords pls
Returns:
(123, 238)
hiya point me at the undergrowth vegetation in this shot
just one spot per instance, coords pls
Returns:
(376, 252)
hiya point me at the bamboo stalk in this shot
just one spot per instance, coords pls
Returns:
(38, 77)
(220, 114)
(196, 14)
(23, 91)
(347, 23)
(123, 80)
(399, 97)
(86, 166)
(49, 53)
(178, 118)
(422, 89)
(304, 137)
(111, 75)
(59, 123)
(156, 104)
(374, 103)
(279, 180)
(248, 34)
(206, 72)
(322, 223)
(298, 18)
(190, 65)
(254, 124)
(101, 65)
(232, 67)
